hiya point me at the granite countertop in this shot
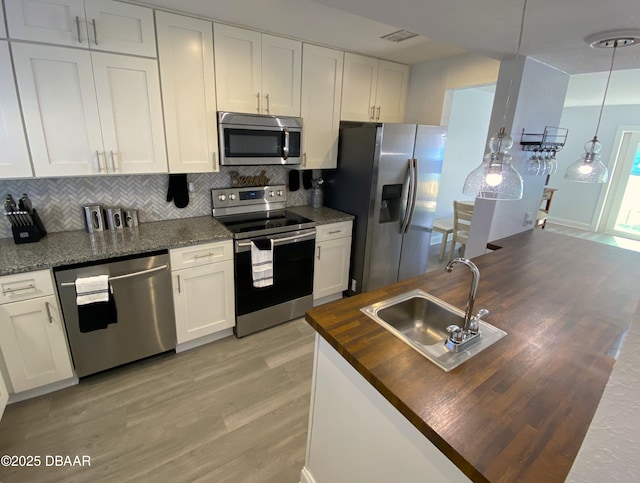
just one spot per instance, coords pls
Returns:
(71, 247)
(519, 410)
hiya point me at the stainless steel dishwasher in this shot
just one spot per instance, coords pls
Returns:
(144, 304)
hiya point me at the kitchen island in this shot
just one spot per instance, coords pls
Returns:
(519, 410)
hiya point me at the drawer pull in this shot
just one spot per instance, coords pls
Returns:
(334, 232)
(46, 304)
(19, 289)
(206, 255)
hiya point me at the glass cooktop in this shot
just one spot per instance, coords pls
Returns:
(248, 225)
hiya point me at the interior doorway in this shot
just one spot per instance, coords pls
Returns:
(622, 206)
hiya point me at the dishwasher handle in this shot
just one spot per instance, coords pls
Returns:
(126, 275)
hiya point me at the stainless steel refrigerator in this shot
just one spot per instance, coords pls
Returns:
(388, 177)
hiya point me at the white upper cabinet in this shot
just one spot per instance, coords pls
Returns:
(373, 90)
(59, 22)
(391, 92)
(187, 75)
(60, 109)
(14, 155)
(320, 108)
(257, 73)
(120, 27)
(97, 24)
(90, 113)
(281, 75)
(130, 107)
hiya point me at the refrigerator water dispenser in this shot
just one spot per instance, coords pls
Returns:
(391, 202)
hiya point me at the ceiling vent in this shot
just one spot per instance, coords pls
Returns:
(399, 36)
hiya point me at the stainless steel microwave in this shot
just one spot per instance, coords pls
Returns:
(251, 139)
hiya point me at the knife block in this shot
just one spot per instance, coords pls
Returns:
(30, 233)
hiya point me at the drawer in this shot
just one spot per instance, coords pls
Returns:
(333, 231)
(23, 286)
(198, 255)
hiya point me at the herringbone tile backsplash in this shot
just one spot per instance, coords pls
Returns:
(59, 201)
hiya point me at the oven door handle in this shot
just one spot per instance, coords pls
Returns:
(284, 240)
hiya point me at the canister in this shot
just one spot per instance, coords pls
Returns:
(93, 218)
(113, 217)
(130, 218)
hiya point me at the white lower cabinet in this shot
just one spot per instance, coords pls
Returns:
(333, 255)
(33, 343)
(4, 395)
(203, 293)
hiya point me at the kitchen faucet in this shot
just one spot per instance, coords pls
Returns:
(460, 337)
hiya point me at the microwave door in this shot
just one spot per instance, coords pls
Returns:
(259, 146)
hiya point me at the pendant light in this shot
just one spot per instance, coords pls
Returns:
(589, 167)
(496, 178)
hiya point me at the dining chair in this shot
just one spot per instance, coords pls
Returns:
(462, 213)
(545, 205)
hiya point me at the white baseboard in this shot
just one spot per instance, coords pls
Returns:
(207, 339)
(569, 223)
(41, 391)
(305, 476)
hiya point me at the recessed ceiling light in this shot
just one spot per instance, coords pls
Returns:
(399, 36)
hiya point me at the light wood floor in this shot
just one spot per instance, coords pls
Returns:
(235, 410)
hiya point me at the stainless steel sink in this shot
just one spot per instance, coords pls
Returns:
(421, 320)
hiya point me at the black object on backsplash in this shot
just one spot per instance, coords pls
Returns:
(307, 177)
(29, 233)
(294, 180)
(178, 191)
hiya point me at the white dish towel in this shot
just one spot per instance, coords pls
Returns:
(90, 290)
(262, 266)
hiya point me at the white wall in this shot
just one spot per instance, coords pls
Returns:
(429, 81)
(577, 204)
(537, 98)
(467, 119)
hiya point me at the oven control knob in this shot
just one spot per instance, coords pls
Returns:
(222, 197)
(271, 194)
(232, 196)
(279, 193)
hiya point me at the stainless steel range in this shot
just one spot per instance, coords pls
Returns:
(267, 235)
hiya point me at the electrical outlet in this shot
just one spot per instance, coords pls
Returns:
(353, 284)
(528, 219)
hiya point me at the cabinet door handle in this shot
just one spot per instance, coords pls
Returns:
(304, 159)
(373, 110)
(319, 248)
(378, 115)
(179, 288)
(100, 169)
(113, 161)
(46, 304)
(258, 96)
(266, 97)
(215, 158)
(19, 289)
(95, 31)
(78, 28)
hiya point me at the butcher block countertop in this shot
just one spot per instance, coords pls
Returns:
(519, 410)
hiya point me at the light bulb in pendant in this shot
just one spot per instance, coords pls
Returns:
(493, 179)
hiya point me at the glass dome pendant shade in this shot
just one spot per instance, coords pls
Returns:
(495, 178)
(588, 168)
